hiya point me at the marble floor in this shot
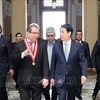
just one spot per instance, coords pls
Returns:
(87, 90)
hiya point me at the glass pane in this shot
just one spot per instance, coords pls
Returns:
(48, 3)
(55, 21)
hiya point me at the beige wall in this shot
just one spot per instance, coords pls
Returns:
(19, 19)
(90, 20)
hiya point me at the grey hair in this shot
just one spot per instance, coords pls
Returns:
(32, 25)
(50, 30)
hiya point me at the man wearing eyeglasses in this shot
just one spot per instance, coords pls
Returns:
(50, 34)
(31, 56)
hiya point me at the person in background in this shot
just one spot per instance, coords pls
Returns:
(68, 66)
(18, 37)
(33, 64)
(85, 46)
(50, 34)
(5, 64)
(95, 57)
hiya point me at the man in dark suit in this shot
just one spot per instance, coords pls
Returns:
(68, 67)
(50, 34)
(18, 37)
(5, 52)
(96, 67)
(31, 56)
(85, 46)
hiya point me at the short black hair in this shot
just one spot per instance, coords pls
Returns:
(18, 34)
(68, 28)
(78, 31)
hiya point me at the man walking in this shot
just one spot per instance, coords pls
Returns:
(68, 67)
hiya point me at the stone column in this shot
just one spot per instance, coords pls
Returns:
(1, 13)
(19, 17)
(90, 21)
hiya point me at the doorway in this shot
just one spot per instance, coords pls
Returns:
(53, 19)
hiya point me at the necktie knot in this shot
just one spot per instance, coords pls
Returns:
(66, 44)
(31, 43)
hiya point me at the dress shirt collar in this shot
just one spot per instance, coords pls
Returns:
(68, 42)
(0, 35)
(51, 42)
(28, 40)
(79, 41)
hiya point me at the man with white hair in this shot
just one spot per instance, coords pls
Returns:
(31, 56)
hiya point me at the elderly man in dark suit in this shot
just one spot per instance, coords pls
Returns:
(68, 67)
(85, 46)
(50, 34)
(5, 52)
(96, 67)
(31, 56)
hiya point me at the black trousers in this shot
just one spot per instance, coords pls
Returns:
(79, 90)
(3, 92)
(15, 76)
(97, 85)
(47, 94)
(27, 92)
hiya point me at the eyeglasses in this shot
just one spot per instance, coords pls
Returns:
(50, 35)
(78, 34)
(35, 33)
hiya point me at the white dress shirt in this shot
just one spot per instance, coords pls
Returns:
(68, 44)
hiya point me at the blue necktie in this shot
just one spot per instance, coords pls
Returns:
(66, 51)
(50, 53)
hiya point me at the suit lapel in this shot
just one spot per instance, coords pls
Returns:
(61, 49)
(39, 42)
(2, 40)
(71, 49)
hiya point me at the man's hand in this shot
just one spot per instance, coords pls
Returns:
(88, 68)
(45, 83)
(83, 79)
(11, 72)
(52, 82)
(94, 69)
(26, 52)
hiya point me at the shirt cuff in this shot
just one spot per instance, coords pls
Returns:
(22, 55)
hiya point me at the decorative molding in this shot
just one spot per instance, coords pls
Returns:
(6, 8)
(79, 10)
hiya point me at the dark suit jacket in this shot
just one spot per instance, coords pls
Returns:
(87, 52)
(72, 70)
(29, 74)
(5, 53)
(15, 64)
(96, 56)
(45, 44)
